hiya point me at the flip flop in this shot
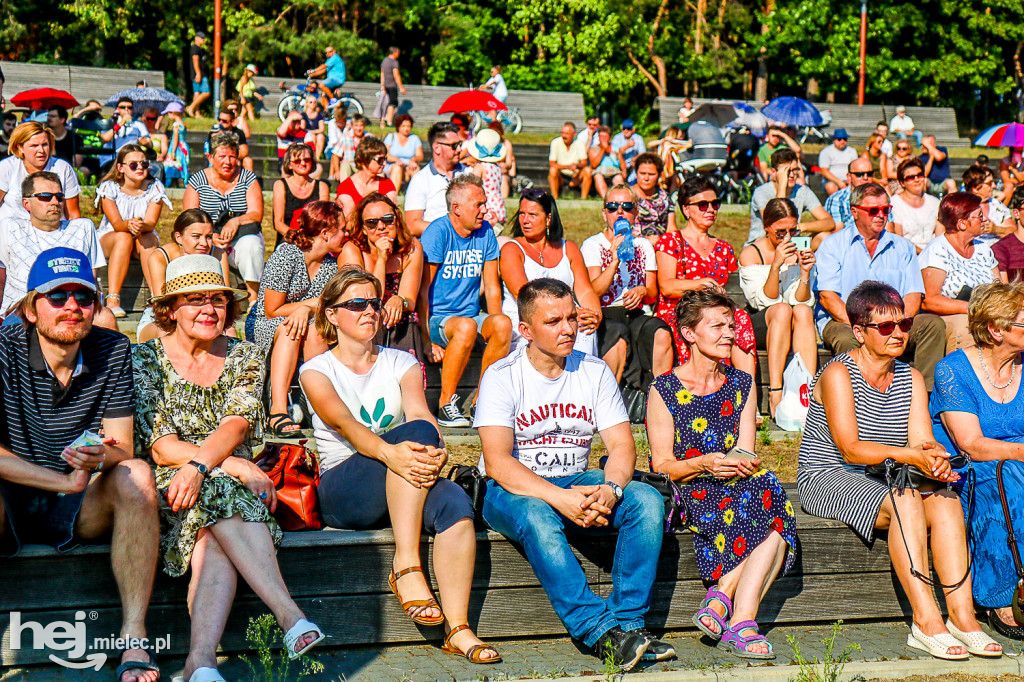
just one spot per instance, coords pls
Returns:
(706, 610)
(278, 421)
(128, 666)
(737, 644)
(974, 641)
(936, 645)
(301, 627)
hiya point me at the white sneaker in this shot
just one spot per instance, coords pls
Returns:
(450, 416)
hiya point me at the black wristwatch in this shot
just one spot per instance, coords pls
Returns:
(203, 469)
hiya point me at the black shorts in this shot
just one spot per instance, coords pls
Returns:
(638, 329)
(392, 94)
(38, 517)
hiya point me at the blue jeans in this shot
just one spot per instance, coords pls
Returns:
(541, 532)
(917, 135)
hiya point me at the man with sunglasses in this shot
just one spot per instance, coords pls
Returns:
(867, 251)
(785, 172)
(64, 377)
(126, 130)
(425, 194)
(226, 124)
(21, 241)
(838, 205)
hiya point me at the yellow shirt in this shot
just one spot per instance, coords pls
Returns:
(563, 155)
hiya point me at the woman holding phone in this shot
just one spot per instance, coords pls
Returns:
(744, 527)
(775, 275)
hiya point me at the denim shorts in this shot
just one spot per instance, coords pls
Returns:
(201, 87)
(437, 323)
(39, 517)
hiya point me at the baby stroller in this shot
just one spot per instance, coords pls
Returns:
(739, 177)
(709, 152)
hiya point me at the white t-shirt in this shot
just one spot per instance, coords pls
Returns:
(374, 398)
(426, 191)
(21, 244)
(901, 124)
(597, 251)
(500, 91)
(13, 173)
(918, 223)
(960, 272)
(553, 420)
(837, 162)
(998, 213)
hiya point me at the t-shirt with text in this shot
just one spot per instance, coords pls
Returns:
(456, 287)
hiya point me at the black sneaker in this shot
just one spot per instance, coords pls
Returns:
(657, 650)
(450, 416)
(625, 648)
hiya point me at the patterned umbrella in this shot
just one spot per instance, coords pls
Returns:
(146, 97)
(1002, 135)
(792, 111)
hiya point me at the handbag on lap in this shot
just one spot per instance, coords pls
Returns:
(295, 473)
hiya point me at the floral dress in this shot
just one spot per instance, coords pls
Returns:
(691, 265)
(728, 518)
(166, 404)
(652, 216)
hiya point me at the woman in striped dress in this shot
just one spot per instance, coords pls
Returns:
(867, 407)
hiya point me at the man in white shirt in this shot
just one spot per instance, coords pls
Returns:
(538, 412)
(587, 137)
(630, 337)
(424, 197)
(834, 161)
(902, 126)
(496, 85)
(21, 241)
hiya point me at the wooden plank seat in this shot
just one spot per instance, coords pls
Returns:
(83, 82)
(339, 578)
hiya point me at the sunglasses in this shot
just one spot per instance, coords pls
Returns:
(875, 210)
(782, 234)
(454, 145)
(358, 305)
(305, 161)
(151, 118)
(136, 165)
(58, 298)
(379, 160)
(915, 176)
(216, 300)
(371, 223)
(887, 328)
(47, 197)
(225, 121)
(903, 148)
(703, 206)
(126, 108)
(862, 174)
(613, 206)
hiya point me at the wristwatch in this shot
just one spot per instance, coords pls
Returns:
(616, 490)
(203, 469)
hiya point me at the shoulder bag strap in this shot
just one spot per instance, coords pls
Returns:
(1010, 539)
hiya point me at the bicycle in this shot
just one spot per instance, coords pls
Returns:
(294, 98)
(510, 118)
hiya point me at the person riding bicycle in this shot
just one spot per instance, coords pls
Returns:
(332, 71)
(496, 86)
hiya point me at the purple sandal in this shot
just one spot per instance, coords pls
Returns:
(706, 610)
(737, 644)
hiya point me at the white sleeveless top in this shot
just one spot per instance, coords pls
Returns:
(586, 343)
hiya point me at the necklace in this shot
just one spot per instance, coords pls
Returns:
(540, 251)
(984, 370)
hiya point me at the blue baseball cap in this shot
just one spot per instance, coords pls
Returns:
(628, 124)
(840, 134)
(59, 266)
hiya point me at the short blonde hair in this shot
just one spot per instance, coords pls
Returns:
(25, 132)
(347, 276)
(993, 305)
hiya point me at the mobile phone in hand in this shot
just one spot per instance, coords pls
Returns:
(740, 453)
(802, 243)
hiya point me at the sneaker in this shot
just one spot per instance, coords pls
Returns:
(625, 648)
(657, 650)
(450, 416)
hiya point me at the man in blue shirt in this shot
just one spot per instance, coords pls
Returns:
(838, 204)
(627, 145)
(867, 251)
(936, 167)
(332, 71)
(461, 251)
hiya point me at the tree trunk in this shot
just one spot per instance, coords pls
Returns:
(761, 84)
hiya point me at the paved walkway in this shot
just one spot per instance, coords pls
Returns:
(883, 653)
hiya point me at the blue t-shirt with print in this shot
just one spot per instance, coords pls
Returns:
(456, 286)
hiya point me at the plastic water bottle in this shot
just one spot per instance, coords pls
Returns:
(622, 226)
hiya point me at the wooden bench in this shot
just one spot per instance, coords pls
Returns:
(339, 578)
(83, 82)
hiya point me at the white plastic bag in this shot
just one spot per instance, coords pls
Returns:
(791, 412)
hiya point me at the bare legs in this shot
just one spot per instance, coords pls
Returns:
(118, 248)
(779, 319)
(616, 358)
(462, 331)
(661, 363)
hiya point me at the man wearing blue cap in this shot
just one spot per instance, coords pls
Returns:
(67, 473)
(627, 145)
(834, 161)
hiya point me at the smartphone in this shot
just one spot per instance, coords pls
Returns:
(802, 243)
(740, 453)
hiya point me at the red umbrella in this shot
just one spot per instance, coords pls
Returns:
(44, 98)
(470, 100)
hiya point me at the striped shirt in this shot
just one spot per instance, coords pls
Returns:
(217, 204)
(38, 416)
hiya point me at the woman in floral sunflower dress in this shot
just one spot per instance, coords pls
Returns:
(692, 259)
(743, 524)
(199, 414)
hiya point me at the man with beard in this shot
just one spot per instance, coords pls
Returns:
(63, 377)
(21, 241)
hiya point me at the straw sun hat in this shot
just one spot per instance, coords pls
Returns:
(193, 273)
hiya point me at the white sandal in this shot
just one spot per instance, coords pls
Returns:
(206, 675)
(974, 641)
(935, 645)
(301, 627)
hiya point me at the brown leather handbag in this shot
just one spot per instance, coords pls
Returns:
(295, 473)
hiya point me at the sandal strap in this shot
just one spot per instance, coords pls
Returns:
(475, 651)
(454, 631)
(720, 597)
(407, 571)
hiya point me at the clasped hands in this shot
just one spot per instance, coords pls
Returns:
(586, 505)
(418, 464)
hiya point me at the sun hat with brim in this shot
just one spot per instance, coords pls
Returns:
(173, 107)
(194, 273)
(486, 146)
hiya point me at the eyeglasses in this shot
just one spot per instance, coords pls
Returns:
(225, 121)
(305, 161)
(915, 176)
(58, 298)
(703, 206)
(126, 107)
(782, 234)
(903, 149)
(358, 305)
(47, 197)
(862, 174)
(887, 328)
(136, 165)
(875, 210)
(454, 145)
(199, 300)
(613, 206)
(371, 223)
(1017, 324)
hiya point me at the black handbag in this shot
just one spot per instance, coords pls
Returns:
(897, 475)
(636, 404)
(675, 505)
(1018, 592)
(474, 483)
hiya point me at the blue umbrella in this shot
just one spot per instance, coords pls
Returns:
(792, 111)
(743, 108)
(146, 97)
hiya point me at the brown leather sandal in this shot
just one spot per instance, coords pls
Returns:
(475, 651)
(418, 605)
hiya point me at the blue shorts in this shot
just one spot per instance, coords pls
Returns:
(333, 83)
(202, 87)
(437, 323)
